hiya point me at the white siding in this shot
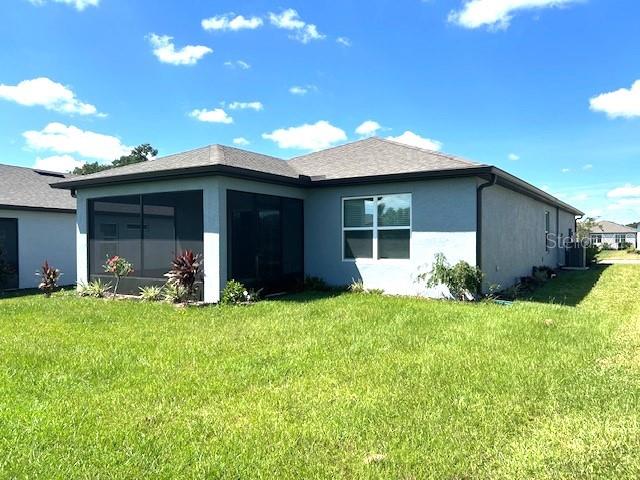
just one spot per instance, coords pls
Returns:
(44, 236)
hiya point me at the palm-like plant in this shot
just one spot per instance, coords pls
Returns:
(49, 277)
(185, 271)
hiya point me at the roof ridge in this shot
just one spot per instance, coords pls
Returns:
(427, 150)
(348, 144)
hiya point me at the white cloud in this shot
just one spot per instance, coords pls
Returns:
(241, 64)
(624, 102)
(257, 106)
(513, 157)
(308, 136)
(625, 203)
(241, 141)
(344, 41)
(46, 93)
(217, 115)
(565, 170)
(166, 51)
(57, 163)
(410, 138)
(625, 191)
(230, 22)
(368, 128)
(497, 14)
(588, 166)
(77, 4)
(290, 20)
(302, 90)
(60, 138)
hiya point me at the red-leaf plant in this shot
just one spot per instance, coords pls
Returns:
(49, 277)
(185, 271)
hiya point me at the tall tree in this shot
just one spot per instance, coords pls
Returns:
(141, 153)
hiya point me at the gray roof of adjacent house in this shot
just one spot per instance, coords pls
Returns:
(605, 226)
(29, 189)
(370, 160)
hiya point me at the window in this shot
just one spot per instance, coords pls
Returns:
(547, 230)
(376, 227)
(620, 238)
(596, 238)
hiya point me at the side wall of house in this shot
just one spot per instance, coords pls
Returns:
(443, 220)
(44, 236)
(513, 235)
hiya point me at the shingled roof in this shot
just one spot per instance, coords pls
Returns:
(605, 226)
(26, 188)
(374, 155)
(369, 160)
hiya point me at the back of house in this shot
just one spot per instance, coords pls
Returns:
(372, 210)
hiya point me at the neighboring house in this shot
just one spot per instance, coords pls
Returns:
(37, 223)
(374, 210)
(613, 235)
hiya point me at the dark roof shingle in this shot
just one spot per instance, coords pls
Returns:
(374, 156)
(22, 187)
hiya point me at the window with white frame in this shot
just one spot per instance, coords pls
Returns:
(376, 227)
(621, 238)
(596, 238)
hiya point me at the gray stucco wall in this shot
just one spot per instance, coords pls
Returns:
(513, 235)
(44, 236)
(443, 220)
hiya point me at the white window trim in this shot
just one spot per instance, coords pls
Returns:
(375, 228)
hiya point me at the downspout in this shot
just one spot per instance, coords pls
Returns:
(557, 236)
(480, 188)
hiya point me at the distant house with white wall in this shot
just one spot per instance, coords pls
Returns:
(372, 210)
(37, 223)
(613, 235)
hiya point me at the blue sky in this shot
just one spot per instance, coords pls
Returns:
(541, 88)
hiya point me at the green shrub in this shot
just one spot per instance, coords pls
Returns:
(235, 293)
(94, 289)
(357, 286)
(316, 284)
(463, 281)
(591, 253)
(173, 293)
(151, 293)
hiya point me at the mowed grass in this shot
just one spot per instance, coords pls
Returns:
(618, 255)
(312, 386)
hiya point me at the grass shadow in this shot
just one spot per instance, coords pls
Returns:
(568, 288)
(27, 292)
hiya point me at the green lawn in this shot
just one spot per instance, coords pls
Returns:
(617, 255)
(311, 386)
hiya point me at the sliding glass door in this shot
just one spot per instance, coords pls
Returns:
(265, 241)
(148, 230)
(9, 253)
